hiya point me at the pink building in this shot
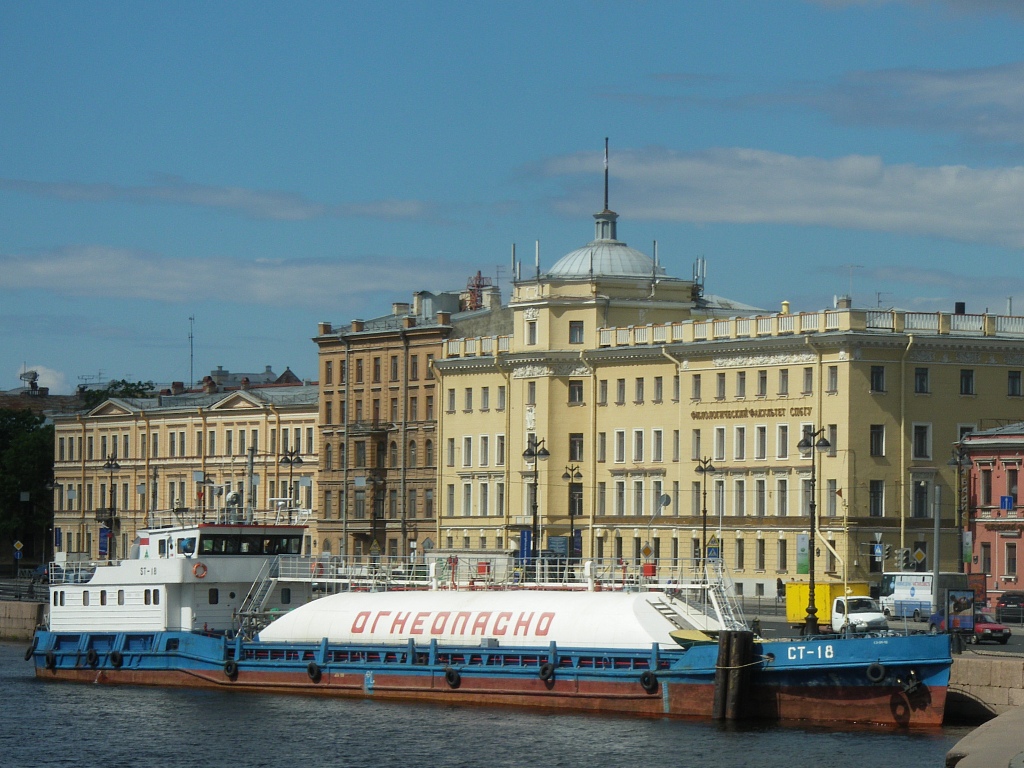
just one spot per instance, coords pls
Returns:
(992, 515)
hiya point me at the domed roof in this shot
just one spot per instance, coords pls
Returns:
(605, 256)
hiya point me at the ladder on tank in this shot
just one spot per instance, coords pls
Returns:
(251, 612)
(720, 590)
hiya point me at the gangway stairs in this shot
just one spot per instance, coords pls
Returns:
(719, 586)
(252, 612)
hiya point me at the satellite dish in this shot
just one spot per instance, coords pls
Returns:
(665, 500)
(234, 499)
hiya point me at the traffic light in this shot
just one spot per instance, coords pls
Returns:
(888, 551)
(905, 559)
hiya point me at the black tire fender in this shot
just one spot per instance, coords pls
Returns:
(546, 671)
(231, 668)
(875, 672)
(649, 681)
(116, 659)
(92, 658)
(32, 648)
(51, 660)
(313, 670)
(452, 677)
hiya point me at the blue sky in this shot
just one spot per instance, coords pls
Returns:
(266, 166)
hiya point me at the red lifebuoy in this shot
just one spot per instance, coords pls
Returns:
(316, 569)
(199, 570)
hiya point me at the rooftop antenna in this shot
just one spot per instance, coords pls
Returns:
(537, 258)
(851, 267)
(606, 173)
(191, 352)
(513, 262)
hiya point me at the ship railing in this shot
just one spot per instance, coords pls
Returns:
(189, 516)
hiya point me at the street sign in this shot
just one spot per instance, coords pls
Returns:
(646, 551)
(876, 550)
(712, 553)
(17, 554)
(18, 545)
(1006, 502)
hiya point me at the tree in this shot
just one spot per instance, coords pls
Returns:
(26, 466)
(122, 388)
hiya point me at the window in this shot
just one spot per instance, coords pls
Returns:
(1013, 388)
(695, 452)
(602, 392)
(450, 452)
(740, 447)
(782, 497)
(759, 557)
(575, 331)
(783, 564)
(602, 492)
(922, 441)
(985, 488)
(467, 451)
(575, 391)
(451, 401)
(986, 558)
(878, 378)
(620, 497)
(695, 387)
(921, 386)
(531, 393)
(620, 391)
(783, 382)
(877, 439)
(967, 381)
(328, 372)
(468, 399)
(741, 384)
(739, 554)
(414, 408)
(761, 442)
(833, 379)
(485, 450)
(499, 451)
(740, 498)
(376, 369)
(602, 446)
(719, 443)
(659, 388)
(1011, 559)
(657, 445)
(919, 498)
(531, 332)
(414, 367)
(876, 498)
(675, 445)
(576, 446)
(428, 453)
(808, 382)
(762, 383)
(720, 386)
(430, 408)
(783, 441)
(485, 398)
(638, 445)
(638, 390)
(760, 497)
(675, 387)
(620, 446)
(638, 497)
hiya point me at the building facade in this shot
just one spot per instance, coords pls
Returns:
(672, 422)
(132, 460)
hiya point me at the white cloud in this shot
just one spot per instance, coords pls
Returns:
(749, 186)
(254, 203)
(98, 272)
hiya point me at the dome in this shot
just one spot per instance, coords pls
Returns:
(605, 256)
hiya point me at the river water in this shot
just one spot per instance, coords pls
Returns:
(59, 724)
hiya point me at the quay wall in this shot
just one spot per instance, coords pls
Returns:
(983, 684)
(18, 619)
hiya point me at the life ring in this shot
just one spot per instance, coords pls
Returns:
(231, 668)
(649, 681)
(316, 568)
(116, 659)
(32, 648)
(313, 670)
(199, 570)
(51, 660)
(453, 678)
(875, 672)
(546, 671)
(92, 658)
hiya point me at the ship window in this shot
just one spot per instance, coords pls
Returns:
(286, 595)
(162, 547)
(85, 597)
(120, 597)
(172, 644)
(214, 595)
(103, 597)
(62, 597)
(147, 597)
(156, 597)
(55, 597)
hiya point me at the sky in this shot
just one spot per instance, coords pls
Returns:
(197, 184)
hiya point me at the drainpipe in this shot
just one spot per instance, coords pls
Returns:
(903, 441)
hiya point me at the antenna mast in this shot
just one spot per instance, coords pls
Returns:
(606, 173)
(191, 356)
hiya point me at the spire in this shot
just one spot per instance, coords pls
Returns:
(604, 224)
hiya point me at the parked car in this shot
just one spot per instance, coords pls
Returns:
(1010, 607)
(986, 628)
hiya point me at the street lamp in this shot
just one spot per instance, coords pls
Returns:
(961, 460)
(704, 467)
(572, 476)
(111, 465)
(804, 446)
(292, 459)
(535, 452)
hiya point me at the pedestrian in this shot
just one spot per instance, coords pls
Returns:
(780, 591)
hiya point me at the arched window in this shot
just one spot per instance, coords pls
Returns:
(326, 548)
(341, 456)
(393, 458)
(428, 453)
(328, 456)
(412, 453)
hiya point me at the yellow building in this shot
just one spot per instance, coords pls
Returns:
(131, 460)
(634, 382)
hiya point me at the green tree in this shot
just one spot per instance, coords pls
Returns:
(122, 388)
(26, 466)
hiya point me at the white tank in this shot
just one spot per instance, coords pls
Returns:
(513, 618)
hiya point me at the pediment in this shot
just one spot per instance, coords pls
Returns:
(238, 401)
(111, 408)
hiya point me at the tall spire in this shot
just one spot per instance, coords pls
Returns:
(606, 173)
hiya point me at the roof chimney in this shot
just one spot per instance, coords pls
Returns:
(444, 318)
(960, 308)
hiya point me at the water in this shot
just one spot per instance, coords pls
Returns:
(60, 724)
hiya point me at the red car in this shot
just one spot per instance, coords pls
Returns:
(986, 628)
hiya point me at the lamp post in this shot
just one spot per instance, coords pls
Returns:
(535, 452)
(572, 476)
(960, 460)
(808, 444)
(292, 459)
(111, 465)
(704, 467)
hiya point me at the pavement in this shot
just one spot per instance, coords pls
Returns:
(999, 743)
